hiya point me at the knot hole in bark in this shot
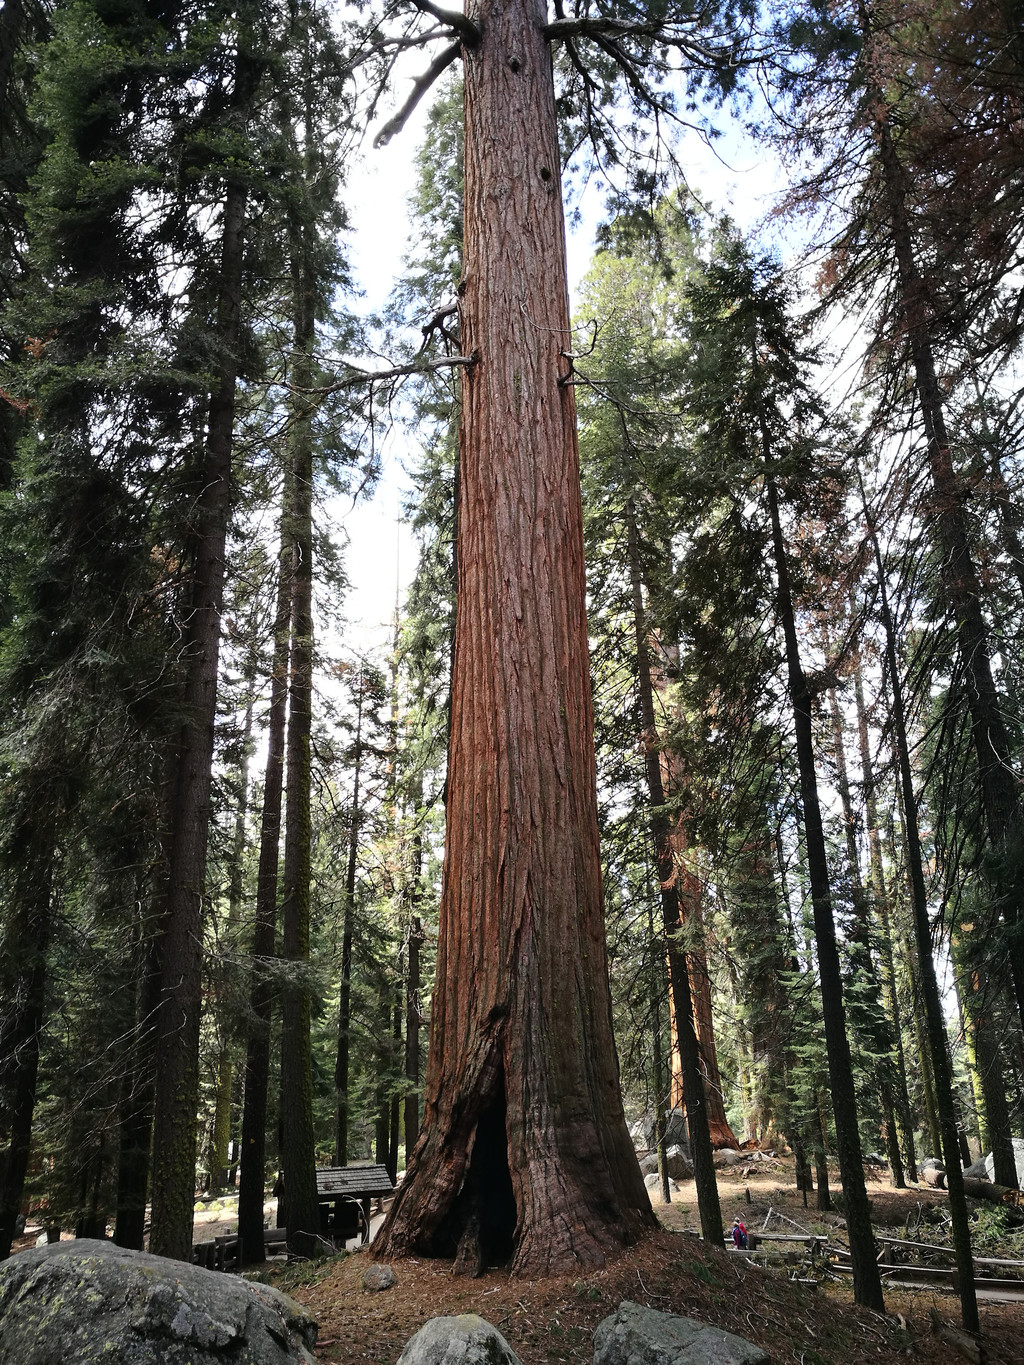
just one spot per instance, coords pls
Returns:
(486, 1207)
(545, 173)
(513, 63)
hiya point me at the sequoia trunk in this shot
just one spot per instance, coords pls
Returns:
(524, 1152)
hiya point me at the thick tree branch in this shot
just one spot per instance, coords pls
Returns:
(441, 62)
(460, 23)
(574, 28)
(357, 376)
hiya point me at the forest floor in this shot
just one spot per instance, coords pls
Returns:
(548, 1322)
(551, 1322)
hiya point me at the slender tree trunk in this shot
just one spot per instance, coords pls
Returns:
(689, 899)
(524, 1149)
(875, 1026)
(136, 1116)
(655, 979)
(937, 1049)
(220, 1141)
(177, 1036)
(976, 994)
(673, 920)
(802, 1124)
(382, 1107)
(880, 900)
(999, 794)
(341, 1065)
(820, 1150)
(411, 1116)
(691, 936)
(931, 1108)
(136, 1130)
(395, 1104)
(24, 1013)
(298, 1151)
(252, 1179)
(974, 1075)
(866, 1281)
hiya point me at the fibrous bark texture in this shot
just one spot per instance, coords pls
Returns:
(524, 1153)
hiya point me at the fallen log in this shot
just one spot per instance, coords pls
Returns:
(974, 1188)
(984, 1189)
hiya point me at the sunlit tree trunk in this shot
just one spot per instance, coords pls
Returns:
(524, 1152)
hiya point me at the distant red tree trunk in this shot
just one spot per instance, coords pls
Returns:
(524, 1153)
(688, 893)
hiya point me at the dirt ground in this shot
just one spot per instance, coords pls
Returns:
(548, 1322)
(553, 1320)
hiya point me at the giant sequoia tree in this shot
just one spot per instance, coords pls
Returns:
(524, 1151)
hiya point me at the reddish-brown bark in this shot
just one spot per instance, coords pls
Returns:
(688, 894)
(524, 1152)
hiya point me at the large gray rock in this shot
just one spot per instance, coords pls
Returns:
(985, 1169)
(727, 1156)
(653, 1183)
(86, 1302)
(680, 1167)
(465, 1340)
(676, 1134)
(641, 1336)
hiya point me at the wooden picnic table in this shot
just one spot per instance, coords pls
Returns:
(337, 1186)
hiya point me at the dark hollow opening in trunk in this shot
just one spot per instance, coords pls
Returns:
(486, 1208)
